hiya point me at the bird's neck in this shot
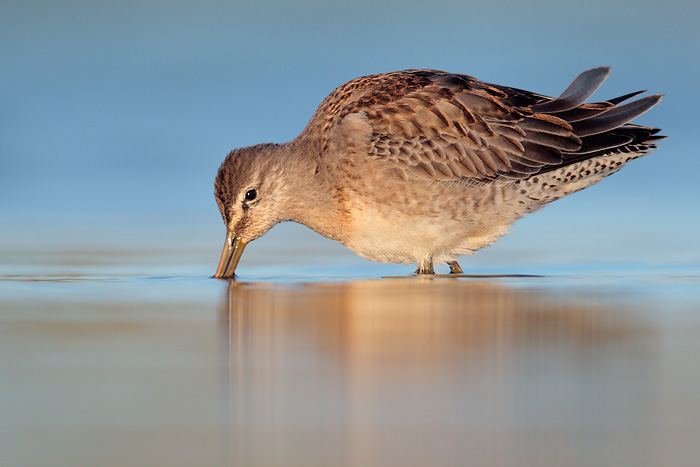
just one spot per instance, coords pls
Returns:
(314, 204)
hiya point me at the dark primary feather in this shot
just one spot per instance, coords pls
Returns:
(577, 93)
(615, 117)
(449, 127)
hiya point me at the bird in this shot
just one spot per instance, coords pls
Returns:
(423, 166)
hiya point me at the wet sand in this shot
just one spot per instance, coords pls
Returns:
(141, 367)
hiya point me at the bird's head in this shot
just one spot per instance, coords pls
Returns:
(250, 190)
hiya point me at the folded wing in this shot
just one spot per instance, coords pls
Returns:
(447, 127)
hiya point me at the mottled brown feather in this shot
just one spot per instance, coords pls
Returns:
(445, 127)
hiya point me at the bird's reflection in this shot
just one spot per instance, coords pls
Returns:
(360, 369)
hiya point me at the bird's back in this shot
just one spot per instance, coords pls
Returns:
(449, 127)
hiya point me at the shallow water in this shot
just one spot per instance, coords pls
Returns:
(109, 358)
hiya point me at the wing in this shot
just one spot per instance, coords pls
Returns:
(440, 126)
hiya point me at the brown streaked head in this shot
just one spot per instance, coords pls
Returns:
(249, 188)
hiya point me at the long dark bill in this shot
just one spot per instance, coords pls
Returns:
(233, 249)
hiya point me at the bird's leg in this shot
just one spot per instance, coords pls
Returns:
(426, 266)
(454, 267)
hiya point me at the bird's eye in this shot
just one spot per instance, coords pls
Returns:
(250, 195)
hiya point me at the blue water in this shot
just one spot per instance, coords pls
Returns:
(114, 357)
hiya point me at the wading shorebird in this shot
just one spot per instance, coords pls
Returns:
(424, 166)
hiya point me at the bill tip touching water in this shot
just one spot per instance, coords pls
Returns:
(423, 166)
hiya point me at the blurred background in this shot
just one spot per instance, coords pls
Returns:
(114, 116)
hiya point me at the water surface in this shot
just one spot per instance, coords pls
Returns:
(105, 360)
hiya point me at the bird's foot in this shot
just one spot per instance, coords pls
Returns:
(426, 266)
(454, 267)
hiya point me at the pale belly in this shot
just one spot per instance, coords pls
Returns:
(411, 221)
(408, 221)
(397, 235)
